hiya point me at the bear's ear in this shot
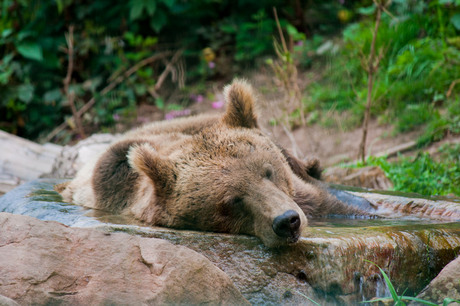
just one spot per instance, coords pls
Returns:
(144, 159)
(240, 100)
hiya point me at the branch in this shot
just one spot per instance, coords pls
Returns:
(107, 89)
(278, 25)
(372, 66)
(168, 68)
(164, 74)
(451, 87)
(295, 148)
(68, 79)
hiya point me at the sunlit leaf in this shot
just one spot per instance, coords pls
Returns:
(169, 3)
(30, 50)
(160, 103)
(137, 6)
(52, 95)
(366, 10)
(25, 92)
(159, 21)
(150, 7)
(456, 21)
(6, 32)
(60, 6)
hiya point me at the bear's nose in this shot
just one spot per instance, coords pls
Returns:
(287, 225)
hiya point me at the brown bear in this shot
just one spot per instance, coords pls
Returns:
(208, 172)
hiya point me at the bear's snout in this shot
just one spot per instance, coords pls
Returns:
(287, 226)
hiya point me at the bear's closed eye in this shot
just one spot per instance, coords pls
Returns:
(268, 171)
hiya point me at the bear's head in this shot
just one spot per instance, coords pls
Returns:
(228, 178)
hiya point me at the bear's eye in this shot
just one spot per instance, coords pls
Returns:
(231, 206)
(268, 171)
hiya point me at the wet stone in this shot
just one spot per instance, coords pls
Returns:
(412, 243)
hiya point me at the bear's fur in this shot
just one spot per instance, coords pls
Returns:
(208, 172)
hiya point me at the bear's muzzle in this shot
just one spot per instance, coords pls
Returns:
(287, 226)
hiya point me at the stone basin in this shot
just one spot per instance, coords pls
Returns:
(413, 241)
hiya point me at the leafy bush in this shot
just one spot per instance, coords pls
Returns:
(420, 62)
(109, 39)
(440, 125)
(422, 174)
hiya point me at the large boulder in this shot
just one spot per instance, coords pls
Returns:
(45, 262)
(445, 285)
(328, 264)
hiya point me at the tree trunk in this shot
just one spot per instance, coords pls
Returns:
(371, 68)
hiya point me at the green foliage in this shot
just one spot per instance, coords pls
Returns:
(110, 38)
(261, 27)
(422, 174)
(421, 58)
(440, 125)
(413, 115)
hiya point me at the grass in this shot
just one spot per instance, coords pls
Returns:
(423, 173)
(399, 299)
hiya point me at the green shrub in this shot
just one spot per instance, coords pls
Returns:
(109, 39)
(420, 62)
(439, 125)
(422, 174)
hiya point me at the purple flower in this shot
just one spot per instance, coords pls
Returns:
(211, 65)
(116, 117)
(218, 104)
(199, 98)
(177, 113)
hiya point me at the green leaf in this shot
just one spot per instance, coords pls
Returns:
(140, 89)
(169, 3)
(60, 6)
(447, 301)
(52, 95)
(151, 7)
(158, 22)
(418, 300)
(30, 50)
(394, 295)
(7, 59)
(228, 28)
(137, 6)
(291, 29)
(149, 41)
(25, 92)
(160, 103)
(367, 10)
(6, 32)
(5, 76)
(456, 21)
